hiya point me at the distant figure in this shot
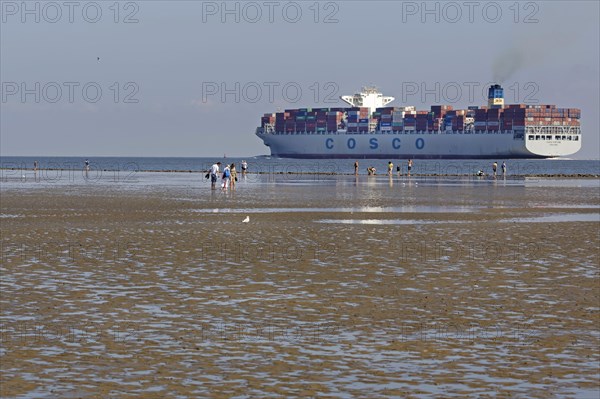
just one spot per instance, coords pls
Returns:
(87, 165)
(233, 175)
(480, 173)
(399, 170)
(244, 168)
(98, 58)
(226, 178)
(390, 168)
(410, 165)
(371, 171)
(214, 173)
(35, 166)
(494, 168)
(356, 168)
(503, 169)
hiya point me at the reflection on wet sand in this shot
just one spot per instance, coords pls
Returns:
(158, 291)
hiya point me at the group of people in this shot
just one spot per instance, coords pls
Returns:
(86, 165)
(494, 170)
(390, 168)
(228, 177)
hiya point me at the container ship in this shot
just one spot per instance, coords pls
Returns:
(371, 129)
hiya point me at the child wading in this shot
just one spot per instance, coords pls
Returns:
(226, 177)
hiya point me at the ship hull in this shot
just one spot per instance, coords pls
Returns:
(380, 145)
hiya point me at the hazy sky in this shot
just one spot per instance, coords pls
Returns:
(181, 78)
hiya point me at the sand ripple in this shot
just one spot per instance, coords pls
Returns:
(118, 294)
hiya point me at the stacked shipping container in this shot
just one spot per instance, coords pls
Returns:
(441, 117)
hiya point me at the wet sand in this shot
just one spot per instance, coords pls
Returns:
(335, 288)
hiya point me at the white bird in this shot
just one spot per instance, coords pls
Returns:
(246, 220)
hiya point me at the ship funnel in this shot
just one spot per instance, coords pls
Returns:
(496, 96)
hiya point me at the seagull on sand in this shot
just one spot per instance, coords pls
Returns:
(246, 220)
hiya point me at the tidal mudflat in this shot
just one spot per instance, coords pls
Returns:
(337, 287)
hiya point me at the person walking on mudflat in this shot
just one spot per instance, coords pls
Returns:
(410, 165)
(233, 173)
(495, 168)
(214, 175)
(356, 168)
(390, 168)
(503, 169)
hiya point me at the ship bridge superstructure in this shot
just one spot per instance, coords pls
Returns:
(368, 97)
